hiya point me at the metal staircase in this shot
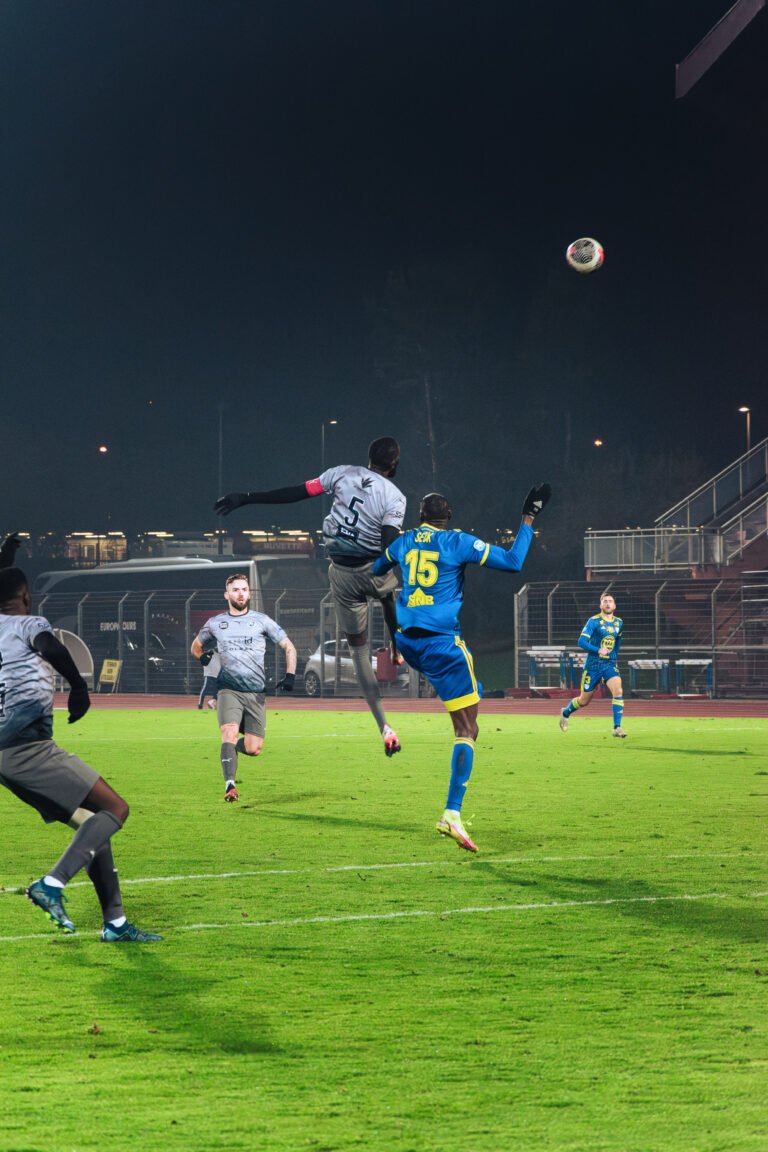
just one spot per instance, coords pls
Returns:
(706, 533)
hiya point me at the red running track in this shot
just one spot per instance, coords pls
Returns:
(676, 706)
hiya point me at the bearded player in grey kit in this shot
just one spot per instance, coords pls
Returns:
(240, 636)
(58, 785)
(365, 517)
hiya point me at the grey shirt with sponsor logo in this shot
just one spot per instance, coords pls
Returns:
(241, 642)
(26, 682)
(363, 502)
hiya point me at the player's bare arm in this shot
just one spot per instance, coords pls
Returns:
(290, 655)
(196, 649)
(286, 684)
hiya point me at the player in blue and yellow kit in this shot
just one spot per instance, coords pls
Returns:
(432, 559)
(600, 639)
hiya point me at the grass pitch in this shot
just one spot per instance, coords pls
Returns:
(337, 976)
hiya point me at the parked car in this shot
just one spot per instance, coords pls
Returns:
(347, 678)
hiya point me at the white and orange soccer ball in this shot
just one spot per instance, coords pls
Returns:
(585, 255)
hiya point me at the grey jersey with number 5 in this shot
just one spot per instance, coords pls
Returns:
(26, 682)
(241, 643)
(363, 501)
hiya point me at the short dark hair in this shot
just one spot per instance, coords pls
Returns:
(12, 584)
(384, 453)
(435, 507)
(237, 576)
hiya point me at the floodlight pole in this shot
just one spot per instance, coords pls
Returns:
(219, 530)
(748, 413)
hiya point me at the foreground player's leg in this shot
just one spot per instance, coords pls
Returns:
(358, 647)
(116, 929)
(103, 813)
(462, 759)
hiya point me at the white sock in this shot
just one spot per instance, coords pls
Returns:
(54, 883)
(118, 923)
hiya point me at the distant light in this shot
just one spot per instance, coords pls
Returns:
(103, 449)
(745, 409)
(597, 443)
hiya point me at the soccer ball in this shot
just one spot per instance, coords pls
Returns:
(585, 255)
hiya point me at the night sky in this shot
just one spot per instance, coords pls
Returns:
(308, 210)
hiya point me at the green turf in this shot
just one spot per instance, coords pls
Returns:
(594, 980)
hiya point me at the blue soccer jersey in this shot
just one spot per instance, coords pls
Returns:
(432, 561)
(599, 632)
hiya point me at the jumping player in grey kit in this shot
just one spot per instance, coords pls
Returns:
(57, 784)
(365, 517)
(240, 636)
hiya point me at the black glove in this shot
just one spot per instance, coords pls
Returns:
(226, 504)
(78, 703)
(287, 682)
(206, 658)
(536, 499)
(8, 551)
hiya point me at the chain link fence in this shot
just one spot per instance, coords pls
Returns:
(688, 636)
(150, 633)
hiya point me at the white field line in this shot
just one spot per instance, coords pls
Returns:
(213, 735)
(10, 890)
(305, 921)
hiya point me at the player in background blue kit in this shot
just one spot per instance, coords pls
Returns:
(432, 559)
(600, 639)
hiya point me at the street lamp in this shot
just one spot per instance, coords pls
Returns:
(322, 442)
(220, 477)
(324, 503)
(747, 412)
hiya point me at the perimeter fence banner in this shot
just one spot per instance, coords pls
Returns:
(150, 633)
(682, 636)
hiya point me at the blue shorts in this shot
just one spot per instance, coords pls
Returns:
(597, 672)
(446, 662)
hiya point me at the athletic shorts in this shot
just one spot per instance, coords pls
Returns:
(352, 588)
(52, 781)
(595, 672)
(447, 664)
(232, 707)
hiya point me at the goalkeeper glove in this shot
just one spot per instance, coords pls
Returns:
(536, 499)
(206, 658)
(287, 682)
(10, 547)
(226, 504)
(78, 703)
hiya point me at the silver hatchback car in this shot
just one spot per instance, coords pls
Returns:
(313, 675)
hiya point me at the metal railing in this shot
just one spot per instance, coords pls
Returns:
(721, 492)
(744, 528)
(652, 549)
(721, 622)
